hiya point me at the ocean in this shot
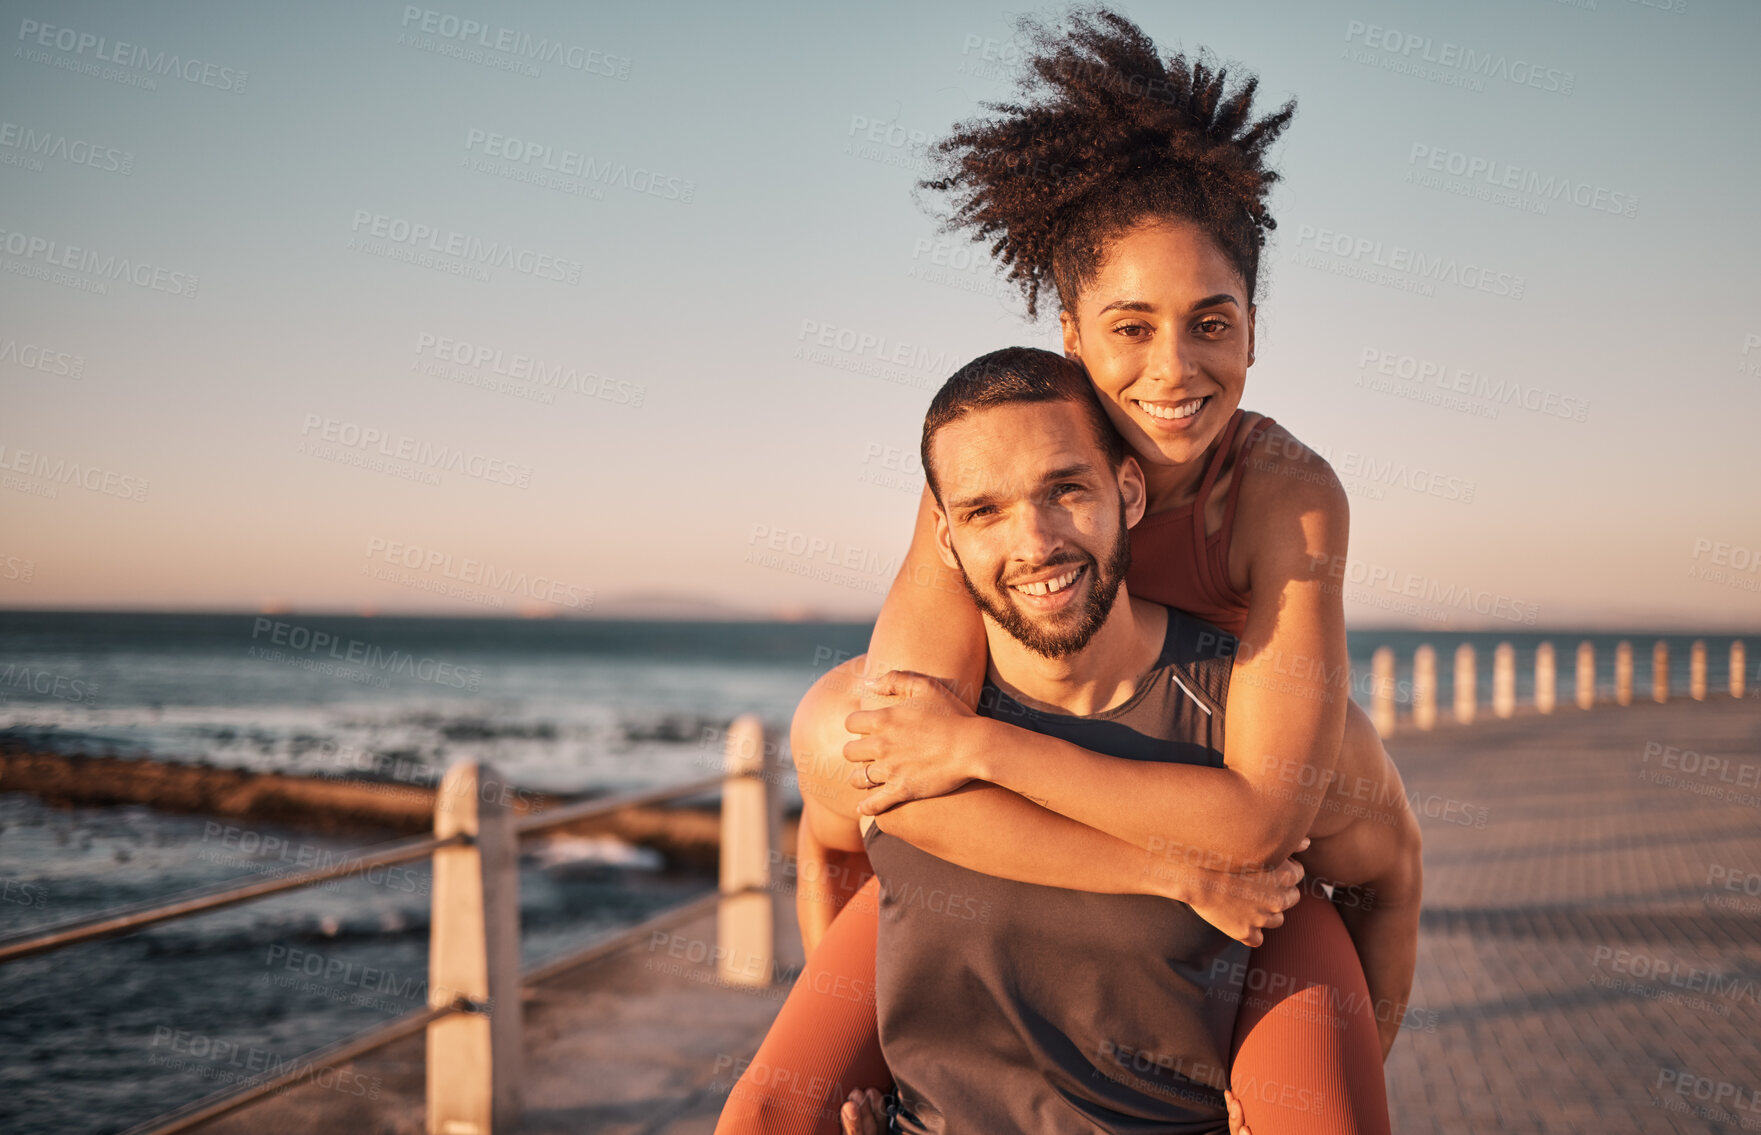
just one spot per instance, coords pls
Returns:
(101, 1036)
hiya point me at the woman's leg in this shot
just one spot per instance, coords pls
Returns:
(824, 1043)
(1308, 1059)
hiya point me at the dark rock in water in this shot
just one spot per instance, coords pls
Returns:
(689, 836)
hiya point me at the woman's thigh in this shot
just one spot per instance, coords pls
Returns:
(1308, 1059)
(824, 1042)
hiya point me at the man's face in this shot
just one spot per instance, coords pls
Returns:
(1035, 520)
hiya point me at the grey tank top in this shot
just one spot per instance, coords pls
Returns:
(1007, 1007)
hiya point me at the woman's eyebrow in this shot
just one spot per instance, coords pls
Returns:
(1142, 305)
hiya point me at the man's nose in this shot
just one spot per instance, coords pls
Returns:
(1037, 535)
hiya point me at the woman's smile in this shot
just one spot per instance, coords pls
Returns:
(1171, 416)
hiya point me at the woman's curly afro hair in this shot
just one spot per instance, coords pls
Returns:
(1108, 134)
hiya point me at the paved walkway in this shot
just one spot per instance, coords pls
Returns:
(1590, 959)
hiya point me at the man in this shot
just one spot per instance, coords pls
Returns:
(1007, 1006)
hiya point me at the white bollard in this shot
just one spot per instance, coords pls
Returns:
(1697, 671)
(1546, 679)
(1382, 690)
(1623, 674)
(1466, 693)
(1586, 675)
(1739, 661)
(1504, 680)
(474, 1059)
(747, 917)
(1424, 688)
(1660, 672)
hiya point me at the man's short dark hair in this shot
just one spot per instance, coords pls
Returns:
(1017, 374)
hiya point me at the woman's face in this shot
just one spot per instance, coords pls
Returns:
(1165, 332)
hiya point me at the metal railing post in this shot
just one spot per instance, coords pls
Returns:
(474, 1058)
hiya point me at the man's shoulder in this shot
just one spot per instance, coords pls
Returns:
(1190, 640)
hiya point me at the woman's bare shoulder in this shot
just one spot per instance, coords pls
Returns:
(1291, 498)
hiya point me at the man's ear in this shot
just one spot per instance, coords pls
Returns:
(945, 539)
(1131, 490)
(1251, 309)
(1072, 341)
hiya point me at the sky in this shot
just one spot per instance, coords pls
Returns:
(361, 307)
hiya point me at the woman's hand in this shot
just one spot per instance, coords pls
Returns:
(1244, 904)
(921, 746)
(864, 1113)
(1237, 1121)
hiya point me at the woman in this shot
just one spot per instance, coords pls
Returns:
(1135, 188)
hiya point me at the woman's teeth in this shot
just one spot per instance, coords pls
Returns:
(1173, 412)
(1049, 586)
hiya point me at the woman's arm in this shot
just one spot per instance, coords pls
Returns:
(929, 623)
(991, 830)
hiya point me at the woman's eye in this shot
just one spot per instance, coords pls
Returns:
(1132, 330)
(1213, 325)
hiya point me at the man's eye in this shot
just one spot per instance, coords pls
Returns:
(1067, 488)
(977, 513)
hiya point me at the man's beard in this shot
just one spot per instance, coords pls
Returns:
(1072, 629)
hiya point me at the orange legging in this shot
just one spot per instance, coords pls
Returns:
(1307, 1058)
